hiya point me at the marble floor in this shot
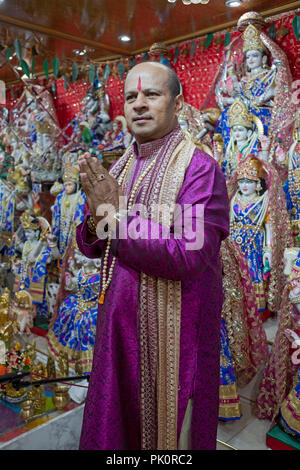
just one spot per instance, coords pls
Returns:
(248, 433)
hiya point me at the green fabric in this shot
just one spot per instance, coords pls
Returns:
(277, 433)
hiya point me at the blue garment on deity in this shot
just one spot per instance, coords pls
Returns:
(227, 380)
(289, 203)
(75, 325)
(64, 235)
(227, 374)
(250, 242)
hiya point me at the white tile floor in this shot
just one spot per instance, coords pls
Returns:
(248, 433)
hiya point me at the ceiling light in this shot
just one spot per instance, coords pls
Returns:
(80, 52)
(233, 3)
(124, 38)
(189, 2)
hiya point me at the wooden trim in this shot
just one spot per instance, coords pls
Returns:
(230, 24)
(61, 35)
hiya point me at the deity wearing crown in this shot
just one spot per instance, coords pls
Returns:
(92, 122)
(256, 71)
(67, 211)
(256, 213)
(243, 136)
(30, 268)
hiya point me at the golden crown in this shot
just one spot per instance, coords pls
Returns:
(252, 40)
(29, 222)
(23, 298)
(249, 169)
(239, 116)
(71, 174)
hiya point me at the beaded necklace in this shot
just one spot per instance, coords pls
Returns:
(236, 221)
(106, 278)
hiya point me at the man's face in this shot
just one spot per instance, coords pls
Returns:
(149, 109)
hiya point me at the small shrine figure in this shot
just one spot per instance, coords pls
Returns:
(23, 312)
(31, 270)
(67, 212)
(7, 324)
(117, 137)
(73, 329)
(198, 125)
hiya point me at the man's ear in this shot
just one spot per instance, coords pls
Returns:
(178, 104)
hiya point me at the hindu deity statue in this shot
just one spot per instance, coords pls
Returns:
(92, 122)
(289, 414)
(67, 212)
(256, 71)
(73, 327)
(279, 389)
(31, 267)
(243, 339)
(254, 215)
(45, 162)
(117, 137)
(243, 136)
(292, 184)
(7, 216)
(198, 125)
(23, 312)
(7, 325)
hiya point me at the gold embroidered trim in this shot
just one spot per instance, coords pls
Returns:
(160, 311)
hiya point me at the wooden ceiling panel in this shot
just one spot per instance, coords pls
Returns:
(64, 26)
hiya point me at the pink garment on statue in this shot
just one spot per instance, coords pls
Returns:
(112, 409)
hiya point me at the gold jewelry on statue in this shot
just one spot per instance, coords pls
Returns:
(29, 222)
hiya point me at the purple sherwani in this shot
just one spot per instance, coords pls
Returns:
(112, 409)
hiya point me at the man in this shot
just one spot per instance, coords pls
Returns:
(155, 376)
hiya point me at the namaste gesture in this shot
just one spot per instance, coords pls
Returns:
(101, 189)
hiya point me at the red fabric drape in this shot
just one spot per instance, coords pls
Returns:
(196, 74)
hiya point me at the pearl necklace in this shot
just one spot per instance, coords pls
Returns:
(106, 279)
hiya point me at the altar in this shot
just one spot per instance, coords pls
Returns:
(50, 428)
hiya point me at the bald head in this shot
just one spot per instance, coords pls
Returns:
(171, 76)
(152, 101)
